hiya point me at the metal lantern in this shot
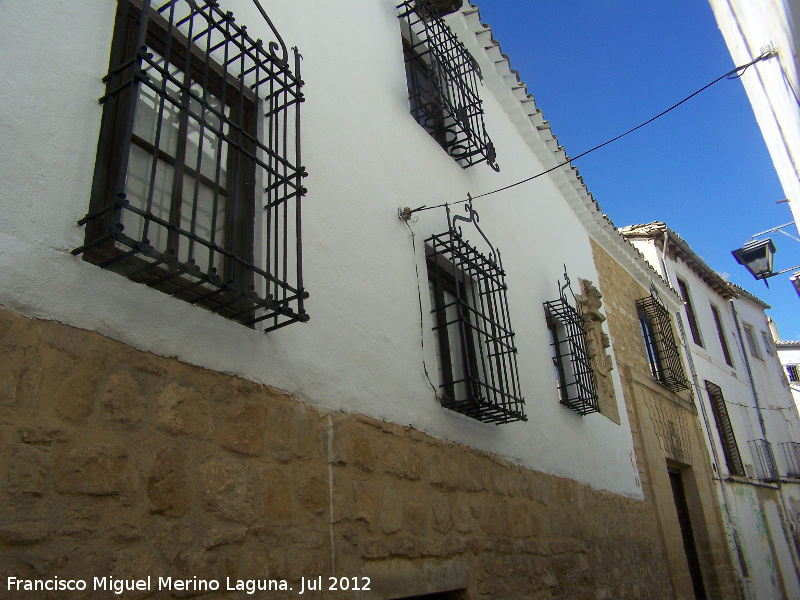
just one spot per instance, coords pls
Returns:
(756, 257)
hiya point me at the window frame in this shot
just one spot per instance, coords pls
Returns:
(767, 343)
(793, 373)
(752, 343)
(730, 449)
(690, 314)
(249, 263)
(723, 342)
(663, 354)
(446, 279)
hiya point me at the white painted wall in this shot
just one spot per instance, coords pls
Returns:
(763, 537)
(365, 156)
(772, 86)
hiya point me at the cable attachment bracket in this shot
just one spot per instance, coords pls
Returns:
(405, 213)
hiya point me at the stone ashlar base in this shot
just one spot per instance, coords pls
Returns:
(120, 464)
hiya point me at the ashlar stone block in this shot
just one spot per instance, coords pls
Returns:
(167, 487)
(96, 470)
(243, 429)
(182, 410)
(123, 399)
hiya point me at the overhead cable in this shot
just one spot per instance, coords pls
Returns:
(766, 53)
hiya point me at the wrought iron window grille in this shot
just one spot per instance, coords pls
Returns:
(443, 81)
(766, 468)
(185, 157)
(662, 351)
(791, 452)
(572, 363)
(793, 372)
(475, 343)
(730, 448)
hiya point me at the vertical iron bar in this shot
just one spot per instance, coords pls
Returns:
(299, 186)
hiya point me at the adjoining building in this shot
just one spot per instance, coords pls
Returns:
(789, 355)
(752, 28)
(751, 423)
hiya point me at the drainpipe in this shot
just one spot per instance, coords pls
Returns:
(744, 582)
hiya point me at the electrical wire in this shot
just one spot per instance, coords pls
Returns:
(733, 74)
(421, 312)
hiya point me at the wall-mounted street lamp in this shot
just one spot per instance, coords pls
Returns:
(757, 257)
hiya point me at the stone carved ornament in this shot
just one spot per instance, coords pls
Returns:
(590, 301)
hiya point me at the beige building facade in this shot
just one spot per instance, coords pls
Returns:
(675, 470)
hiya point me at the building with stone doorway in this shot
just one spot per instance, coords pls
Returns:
(749, 420)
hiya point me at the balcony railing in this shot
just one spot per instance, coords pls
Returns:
(791, 452)
(766, 469)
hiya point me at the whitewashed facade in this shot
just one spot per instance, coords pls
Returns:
(365, 157)
(744, 402)
(749, 28)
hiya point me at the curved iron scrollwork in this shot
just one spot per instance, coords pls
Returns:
(479, 376)
(568, 286)
(569, 346)
(473, 218)
(282, 60)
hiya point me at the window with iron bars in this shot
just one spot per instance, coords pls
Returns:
(572, 363)
(662, 351)
(793, 371)
(474, 341)
(198, 182)
(729, 447)
(443, 80)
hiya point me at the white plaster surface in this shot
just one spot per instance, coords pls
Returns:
(365, 156)
(772, 86)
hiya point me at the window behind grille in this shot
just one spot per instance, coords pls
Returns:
(443, 81)
(729, 447)
(186, 161)
(572, 363)
(663, 353)
(474, 339)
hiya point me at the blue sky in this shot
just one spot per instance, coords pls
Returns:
(598, 68)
